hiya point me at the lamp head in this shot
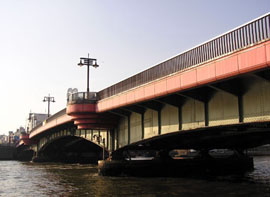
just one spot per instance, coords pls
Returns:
(95, 65)
(80, 64)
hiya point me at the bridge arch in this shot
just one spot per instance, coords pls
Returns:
(70, 149)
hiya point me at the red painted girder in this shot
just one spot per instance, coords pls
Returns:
(243, 61)
(96, 126)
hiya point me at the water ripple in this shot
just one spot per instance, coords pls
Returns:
(31, 179)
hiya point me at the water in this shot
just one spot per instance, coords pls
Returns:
(31, 179)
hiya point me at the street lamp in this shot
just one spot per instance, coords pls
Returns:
(88, 62)
(48, 99)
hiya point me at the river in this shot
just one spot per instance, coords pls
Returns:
(33, 179)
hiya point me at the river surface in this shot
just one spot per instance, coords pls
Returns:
(32, 179)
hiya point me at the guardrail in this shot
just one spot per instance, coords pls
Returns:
(82, 97)
(51, 118)
(239, 38)
(56, 115)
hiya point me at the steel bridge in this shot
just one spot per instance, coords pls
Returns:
(215, 95)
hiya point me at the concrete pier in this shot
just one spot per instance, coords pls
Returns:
(176, 167)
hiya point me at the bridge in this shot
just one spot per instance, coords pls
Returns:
(215, 95)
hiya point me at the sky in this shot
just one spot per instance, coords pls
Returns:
(41, 42)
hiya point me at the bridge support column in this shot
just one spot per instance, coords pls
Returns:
(203, 95)
(178, 101)
(125, 114)
(107, 139)
(91, 134)
(159, 122)
(240, 107)
(129, 129)
(117, 138)
(156, 106)
(142, 122)
(112, 139)
(99, 135)
(180, 118)
(238, 88)
(206, 113)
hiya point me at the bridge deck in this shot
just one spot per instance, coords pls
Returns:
(237, 63)
(242, 50)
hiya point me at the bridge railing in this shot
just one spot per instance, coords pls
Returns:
(239, 38)
(56, 115)
(51, 118)
(82, 97)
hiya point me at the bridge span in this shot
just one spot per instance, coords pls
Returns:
(215, 95)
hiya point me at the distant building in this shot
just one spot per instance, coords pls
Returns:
(19, 131)
(17, 134)
(3, 139)
(10, 137)
(34, 120)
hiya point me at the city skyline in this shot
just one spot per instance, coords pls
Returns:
(42, 43)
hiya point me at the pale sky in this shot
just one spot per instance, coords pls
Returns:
(41, 42)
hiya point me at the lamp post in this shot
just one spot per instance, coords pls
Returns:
(88, 62)
(48, 99)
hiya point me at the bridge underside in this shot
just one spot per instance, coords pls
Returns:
(70, 149)
(231, 113)
(238, 136)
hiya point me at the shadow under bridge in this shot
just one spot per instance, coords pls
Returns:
(71, 149)
(235, 137)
